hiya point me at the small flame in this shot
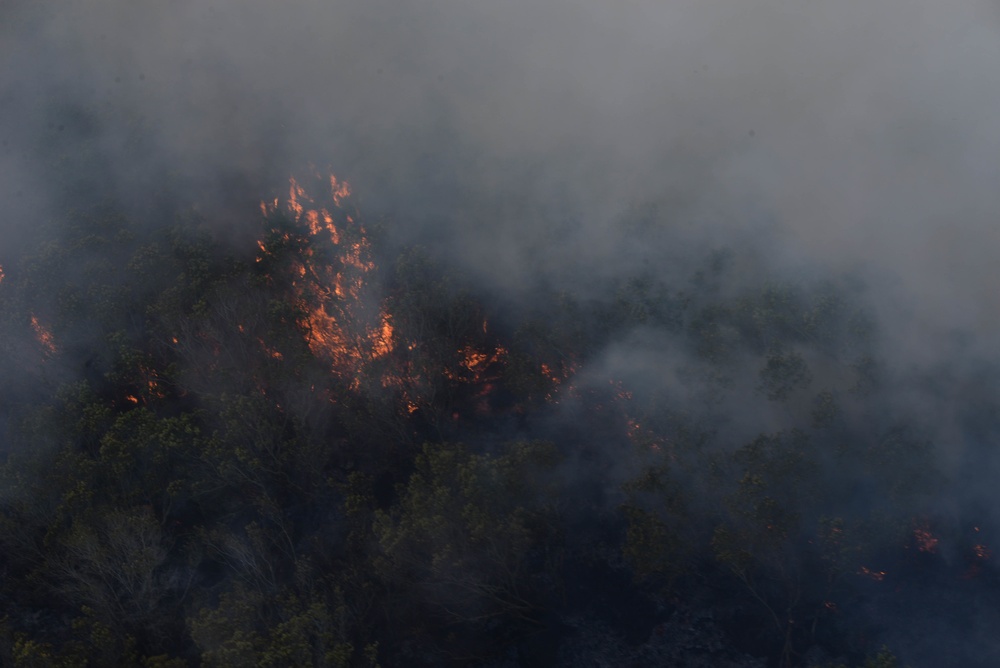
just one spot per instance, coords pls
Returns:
(154, 390)
(275, 354)
(339, 189)
(476, 365)
(557, 378)
(44, 336)
(926, 542)
(294, 192)
(877, 576)
(382, 338)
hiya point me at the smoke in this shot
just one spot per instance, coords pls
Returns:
(563, 144)
(859, 136)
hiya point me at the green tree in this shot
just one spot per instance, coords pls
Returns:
(458, 546)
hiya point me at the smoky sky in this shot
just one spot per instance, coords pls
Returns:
(516, 136)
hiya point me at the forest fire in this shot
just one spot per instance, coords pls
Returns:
(344, 320)
(324, 366)
(330, 279)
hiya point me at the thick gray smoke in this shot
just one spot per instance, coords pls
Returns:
(857, 135)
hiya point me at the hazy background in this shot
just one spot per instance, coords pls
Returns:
(860, 135)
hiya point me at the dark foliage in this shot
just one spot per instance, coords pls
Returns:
(310, 454)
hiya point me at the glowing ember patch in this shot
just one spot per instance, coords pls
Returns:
(878, 576)
(270, 351)
(620, 391)
(558, 377)
(473, 359)
(132, 399)
(925, 540)
(476, 366)
(339, 189)
(382, 339)
(982, 552)
(294, 192)
(312, 217)
(1, 275)
(44, 337)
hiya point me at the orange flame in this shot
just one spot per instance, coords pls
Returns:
(477, 366)
(337, 326)
(557, 378)
(294, 192)
(44, 336)
(339, 190)
(382, 339)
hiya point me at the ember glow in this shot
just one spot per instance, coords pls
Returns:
(877, 576)
(558, 377)
(925, 540)
(43, 336)
(478, 366)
